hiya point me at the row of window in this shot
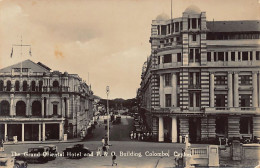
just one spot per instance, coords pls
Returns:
(232, 36)
(195, 100)
(242, 56)
(24, 86)
(195, 56)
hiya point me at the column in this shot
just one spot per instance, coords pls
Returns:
(22, 132)
(190, 23)
(230, 89)
(194, 78)
(174, 90)
(194, 99)
(62, 107)
(12, 111)
(160, 31)
(258, 89)
(236, 95)
(174, 129)
(170, 28)
(40, 132)
(61, 132)
(197, 23)
(42, 106)
(47, 106)
(254, 81)
(28, 105)
(161, 130)
(5, 131)
(43, 131)
(212, 94)
(161, 91)
(68, 107)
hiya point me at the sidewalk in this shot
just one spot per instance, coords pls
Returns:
(44, 142)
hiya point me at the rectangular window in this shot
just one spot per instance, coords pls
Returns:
(169, 30)
(168, 79)
(177, 27)
(208, 56)
(198, 99)
(168, 100)
(220, 100)
(251, 55)
(163, 31)
(191, 55)
(167, 58)
(181, 25)
(159, 60)
(244, 56)
(199, 23)
(194, 37)
(239, 56)
(215, 56)
(191, 78)
(55, 109)
(178, 78)
(191, 99)
(245, 80)
(188, 23)
(194, 23)
(257, 55)
(233, 56)
(178, 100)
(178, 57)
(226, 54)
(245, 100)
(172, 27)
(246, 125)
(197, 55)
(220, 80)
(220, 56)
(197, 78)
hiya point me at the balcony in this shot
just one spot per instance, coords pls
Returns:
(167, 110)
(30, 118)
(194, 86)
(232, 110)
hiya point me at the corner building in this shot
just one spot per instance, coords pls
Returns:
(202, 78)
(37, 104)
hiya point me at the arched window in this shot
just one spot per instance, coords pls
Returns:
(40, 85)
(55, 85)
(33, 86)
(1, 85)
(24, 85)
(17, 85)
(8, 87)
(20, 108)
(4, 108)
(36, 108)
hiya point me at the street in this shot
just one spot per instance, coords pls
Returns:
(130, 153)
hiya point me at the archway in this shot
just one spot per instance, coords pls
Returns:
(1, 85)
(24, 85)
(33, 86)
(20, 108)
(17, 85)
(4, 108)
(36, 108)
(8, 87)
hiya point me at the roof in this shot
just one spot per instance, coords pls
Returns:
(192, 10)
(234, 26)
(26, 64)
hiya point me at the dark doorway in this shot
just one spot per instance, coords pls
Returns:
(194, 129)
(14, 130)
(2, 132)
(4, 108)
(31, 132)
(52, 131)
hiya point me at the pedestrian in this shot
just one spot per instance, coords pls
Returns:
(103, 141)
(135, 135)
(131, 135)
(2, 146)
(114, 159)
(139, 136)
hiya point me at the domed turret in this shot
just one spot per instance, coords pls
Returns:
(192, 10)
(162, 16)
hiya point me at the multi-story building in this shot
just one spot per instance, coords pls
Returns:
(202, 78)
(37, 104)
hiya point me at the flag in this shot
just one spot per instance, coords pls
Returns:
(12, 53)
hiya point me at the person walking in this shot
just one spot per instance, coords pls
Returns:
(114, 159)
(103, 141)
(2, 146)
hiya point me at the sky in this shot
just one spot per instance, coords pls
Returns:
(105, 42)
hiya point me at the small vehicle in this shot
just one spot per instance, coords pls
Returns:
(76, 151)
(53, 150)
(35, 155)
(9, 161)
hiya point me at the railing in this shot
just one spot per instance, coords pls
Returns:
(232, 110)
(199, 152)
(166, 110)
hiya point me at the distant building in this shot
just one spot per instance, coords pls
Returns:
(202, 78)
(39, 104)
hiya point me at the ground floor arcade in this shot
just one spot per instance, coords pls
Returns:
(31, 131)
(201, 128)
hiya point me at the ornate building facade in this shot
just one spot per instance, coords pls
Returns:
(37, 104)
(202, 78)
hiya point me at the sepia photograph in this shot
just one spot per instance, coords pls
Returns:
(129, 83)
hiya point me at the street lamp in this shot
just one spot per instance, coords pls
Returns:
(107, 91)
